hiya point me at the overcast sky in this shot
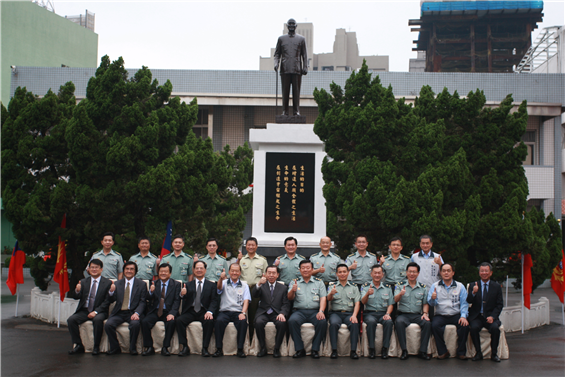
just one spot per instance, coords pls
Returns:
(234, 34)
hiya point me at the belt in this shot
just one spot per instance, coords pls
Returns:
(341, 311)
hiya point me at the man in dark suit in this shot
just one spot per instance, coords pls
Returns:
(129, 295)
(273, 307)
(485, 296)
(199, 303)
(93, 306)
(164, 302)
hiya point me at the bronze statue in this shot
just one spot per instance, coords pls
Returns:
(292, 56)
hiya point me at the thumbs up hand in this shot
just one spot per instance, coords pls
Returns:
(152, 288)
(183, 290)
(295, 286)
(437, 260)
(277, 261)
(78, 287)
(112, 287)
(263, 280)
(353, 266)
(403, 291)
(223, 274)
(195, 258)
(239, 255)
(434, 295)
(333, 291)
(382, 259)
(322, 269)
(475, 289)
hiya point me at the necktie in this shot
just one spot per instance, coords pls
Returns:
(197, 304)
(484, 296)
(125, 304)
(271, 309)
(161, 301)
(92, 296)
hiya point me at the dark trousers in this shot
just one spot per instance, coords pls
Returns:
(187, 318)
(112, 324)
(287, 80)
(404, 320)
(224, 318)
(147, 324)
(336, 319)
(297, 319)
(372, 319)
(438, 328)
(493, 328)
(252, 309)
(74, 321)
(261, 322)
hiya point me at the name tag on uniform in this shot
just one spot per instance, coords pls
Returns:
(258, 272)
(316, 298)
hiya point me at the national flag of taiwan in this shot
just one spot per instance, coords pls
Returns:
(167, 242)
(557, 282)
(16, 270)
(61, 274)
(527, 282)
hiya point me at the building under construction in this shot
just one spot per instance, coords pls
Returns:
(475, 36)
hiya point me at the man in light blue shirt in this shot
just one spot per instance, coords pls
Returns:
(449, 298)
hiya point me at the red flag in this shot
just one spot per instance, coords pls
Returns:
(61, 274)
(16, 270)
(167, 241)
(557, 282)
(527, 283)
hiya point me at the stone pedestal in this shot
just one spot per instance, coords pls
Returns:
(287, 188)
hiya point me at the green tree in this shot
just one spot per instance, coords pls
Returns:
(124, 159)
(446, 166)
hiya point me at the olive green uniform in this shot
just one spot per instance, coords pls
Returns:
(343, 305)
(410, 309)
(145, 265)
(113, 264)
(329, 262)
(375, 309)
(215, 266)
(182, 265)
(289, 268)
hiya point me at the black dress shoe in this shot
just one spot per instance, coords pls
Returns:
(424, 356)
(133, 353)
(478, 356)
(205, 352)
(495, 358)
(185, 351)
(79, 348)
(240, 353)
(384, 353)
(165, 351)
(315, 355)
(263, 352)
(353, 355)
(334, 354)
(114, 352)
(276, 353)
(148, 351)
(404, 355)
(96, 351)
(372, 353)
(218, 353)
(299, 354)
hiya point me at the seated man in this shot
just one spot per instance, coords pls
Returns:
(129, 294)
(234, 302)
(486, 299)
(199, 303)
(273, 307)
(309, 296)
(378, 300)
(449, 298)
(344, 297)
(92, 292)
(413, 307)
(164, 302)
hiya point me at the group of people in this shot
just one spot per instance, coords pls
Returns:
(394, 291)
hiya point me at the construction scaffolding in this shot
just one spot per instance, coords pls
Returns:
(86, 20)
(545, 47)
(475, 36)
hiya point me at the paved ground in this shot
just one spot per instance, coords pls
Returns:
(33, 348)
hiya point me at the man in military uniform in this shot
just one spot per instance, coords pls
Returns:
(253, 267)
(325, 262)
(292, 56)
(309, 296)
(450, 299)
(378, 300)
(361, 262)
(180, 261)
(112, 260)
(146, 261)
(344, 297)
(288, 264)
(395, 263)
(412, 299)
(215, 262)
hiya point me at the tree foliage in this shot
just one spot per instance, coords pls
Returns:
(124, 159)
(446, 166)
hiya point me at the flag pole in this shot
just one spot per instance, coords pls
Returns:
(59, 315)
(17, 298)
(506, 290)
(522, 293)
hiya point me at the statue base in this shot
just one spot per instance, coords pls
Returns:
(293, 119)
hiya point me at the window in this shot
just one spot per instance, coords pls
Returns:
(200, 128)
(529, 139)
(328, 68)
